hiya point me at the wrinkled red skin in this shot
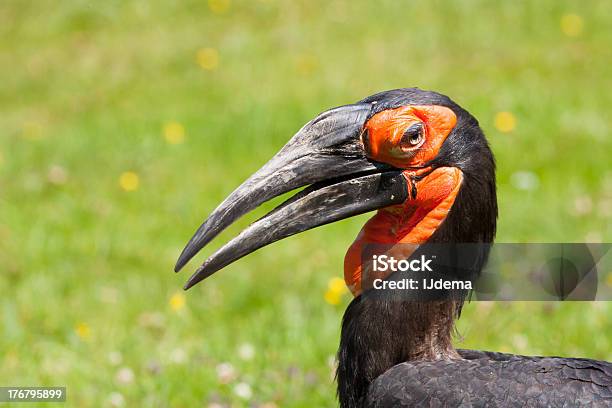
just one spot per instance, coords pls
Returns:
(415, 220)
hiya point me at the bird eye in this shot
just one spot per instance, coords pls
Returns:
(413, 136)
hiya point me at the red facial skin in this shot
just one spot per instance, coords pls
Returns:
(415, 220)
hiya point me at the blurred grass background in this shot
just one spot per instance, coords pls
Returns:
(124, 123)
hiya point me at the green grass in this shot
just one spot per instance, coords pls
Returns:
(86, 281)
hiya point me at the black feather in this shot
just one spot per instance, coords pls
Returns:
(486, 379)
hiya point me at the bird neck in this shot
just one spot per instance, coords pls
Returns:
(378, 333)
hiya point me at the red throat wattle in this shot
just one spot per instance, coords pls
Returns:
(415, 220)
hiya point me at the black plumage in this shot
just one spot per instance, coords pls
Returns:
(487, 379)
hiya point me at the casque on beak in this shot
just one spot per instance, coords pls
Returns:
(326, 154)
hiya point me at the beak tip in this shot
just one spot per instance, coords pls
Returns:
(185, 257)
(195, 278)
(179, 265)
(203, 272)
(195, 244)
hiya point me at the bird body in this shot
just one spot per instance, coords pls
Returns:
(424, 164)
(488, 379)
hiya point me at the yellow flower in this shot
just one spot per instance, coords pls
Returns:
(336, 285)
(129, 181)
(331, 297)
(306, 64)
(32, 130)
(571, 25)
(82, 330)
(505, 122)
(335, 289)
(609, 279)
(174, 133)
(208, 58)
(177, 301)
(219, 6)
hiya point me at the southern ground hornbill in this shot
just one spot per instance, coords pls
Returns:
(423, 162)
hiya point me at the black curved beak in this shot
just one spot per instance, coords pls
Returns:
(326, 154)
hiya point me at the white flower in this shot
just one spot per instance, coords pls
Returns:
(178, 356)
(520, 342)
(116, 399)
(583, 205)
(525, 180)
(125, 375)
(246, 351)
(57, 175)
(243, 390)
(225, 372)
(115, 358)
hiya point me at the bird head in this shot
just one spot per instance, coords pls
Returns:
(414, 155)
